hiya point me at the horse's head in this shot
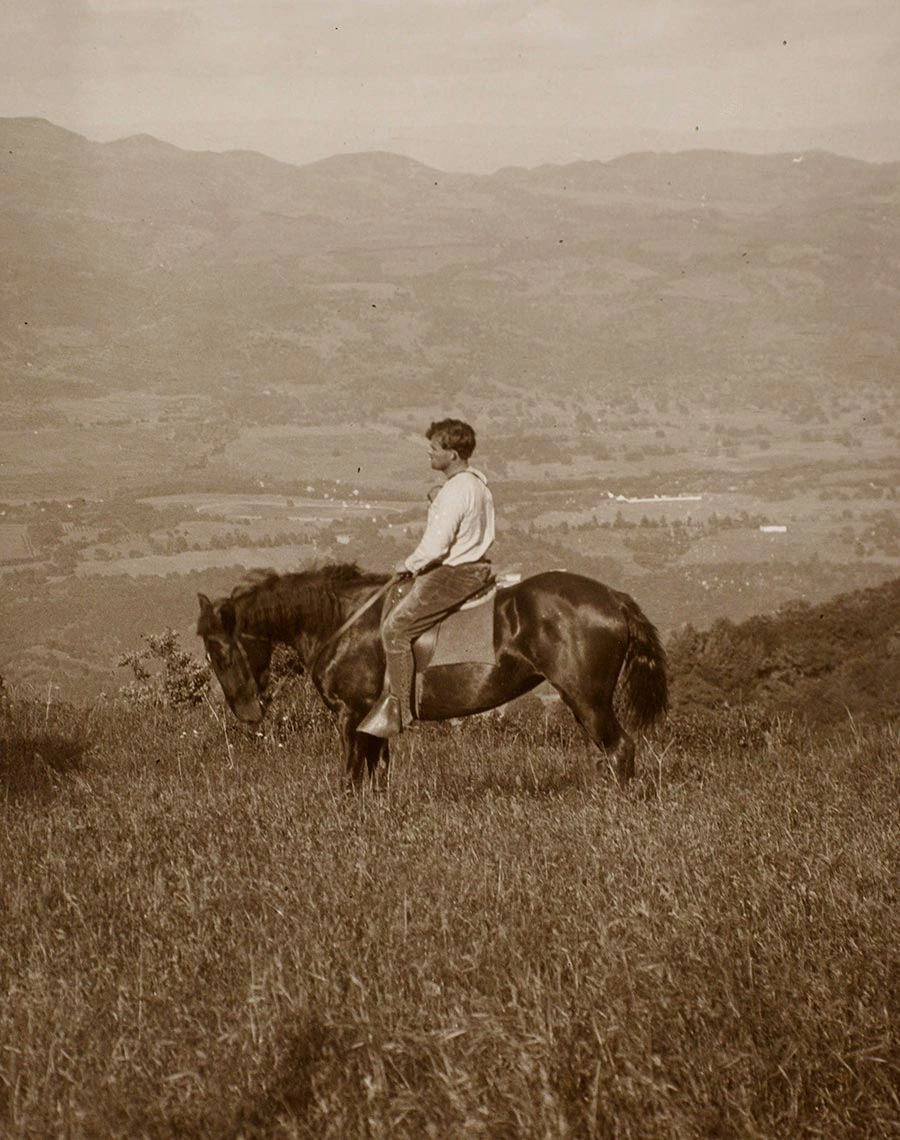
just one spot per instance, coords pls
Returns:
(239, 658)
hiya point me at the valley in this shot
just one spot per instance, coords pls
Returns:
(730, 522)
(681, 369)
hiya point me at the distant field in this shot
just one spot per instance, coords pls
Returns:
(374, 456)
(70, 461)
(752, 545)
(14, 544)
(280, 558)
(596, 490)
(278, 508)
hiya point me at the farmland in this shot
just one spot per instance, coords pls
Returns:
(695, 533)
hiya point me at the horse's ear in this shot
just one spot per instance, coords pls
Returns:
(207, 617)
(216, 616)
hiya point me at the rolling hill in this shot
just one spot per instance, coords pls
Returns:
(372, 280)
(823, 663)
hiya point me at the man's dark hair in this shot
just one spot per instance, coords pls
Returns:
(456, 435)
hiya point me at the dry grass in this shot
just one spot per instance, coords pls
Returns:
(201, 936)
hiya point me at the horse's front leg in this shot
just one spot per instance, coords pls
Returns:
(362, 753)
(378, 759)
(354, 750)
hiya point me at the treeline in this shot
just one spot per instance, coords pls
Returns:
(822, 662)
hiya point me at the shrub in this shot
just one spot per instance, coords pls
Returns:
(179, 679)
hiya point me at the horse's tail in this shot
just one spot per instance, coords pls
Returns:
(643, 680)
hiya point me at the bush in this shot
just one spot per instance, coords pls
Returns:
(178, 680)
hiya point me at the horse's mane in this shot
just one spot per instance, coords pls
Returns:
(276, 601)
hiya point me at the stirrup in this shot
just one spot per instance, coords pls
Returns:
(383, 718)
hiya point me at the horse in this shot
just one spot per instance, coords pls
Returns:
(580, 635)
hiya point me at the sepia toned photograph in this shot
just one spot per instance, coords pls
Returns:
(449, 570)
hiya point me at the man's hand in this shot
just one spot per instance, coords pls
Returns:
(400, 569)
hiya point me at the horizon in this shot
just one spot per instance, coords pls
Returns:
(698, 148)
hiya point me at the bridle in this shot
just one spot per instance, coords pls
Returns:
(238, 641)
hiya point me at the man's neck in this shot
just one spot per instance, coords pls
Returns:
(455, 467)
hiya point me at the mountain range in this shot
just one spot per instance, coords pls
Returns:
(366, 282)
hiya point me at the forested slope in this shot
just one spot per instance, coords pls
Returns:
(825, 661)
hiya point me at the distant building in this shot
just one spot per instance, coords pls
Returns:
(773, 528)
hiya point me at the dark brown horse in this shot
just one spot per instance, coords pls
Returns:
(576, 633)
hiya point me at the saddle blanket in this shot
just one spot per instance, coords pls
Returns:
(465, 635)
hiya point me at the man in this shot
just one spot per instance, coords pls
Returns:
(448, 566)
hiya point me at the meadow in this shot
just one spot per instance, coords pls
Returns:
(204, 936)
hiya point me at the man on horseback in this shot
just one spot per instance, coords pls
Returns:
(448, 566)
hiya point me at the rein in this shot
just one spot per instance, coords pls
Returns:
(355, 616)
(239, 641)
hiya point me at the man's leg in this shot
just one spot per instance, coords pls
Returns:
(432, 597)
(400, 671)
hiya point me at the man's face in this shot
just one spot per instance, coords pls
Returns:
(441, 456)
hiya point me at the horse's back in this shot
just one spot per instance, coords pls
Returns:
(560, 579)
(563, 586)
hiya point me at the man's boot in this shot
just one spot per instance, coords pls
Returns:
(383, 718)
(392, 712)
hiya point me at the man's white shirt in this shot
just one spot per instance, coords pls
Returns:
(460, 526)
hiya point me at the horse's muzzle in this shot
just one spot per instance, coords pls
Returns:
(249, 710)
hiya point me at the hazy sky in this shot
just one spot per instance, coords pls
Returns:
(462, 84)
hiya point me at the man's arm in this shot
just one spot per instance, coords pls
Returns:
(441, 529)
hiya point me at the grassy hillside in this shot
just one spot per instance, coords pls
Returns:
(203, 937)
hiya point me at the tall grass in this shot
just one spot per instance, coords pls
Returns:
(203, 936)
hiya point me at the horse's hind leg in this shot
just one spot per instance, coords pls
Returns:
(623, 757)
(599, 721)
